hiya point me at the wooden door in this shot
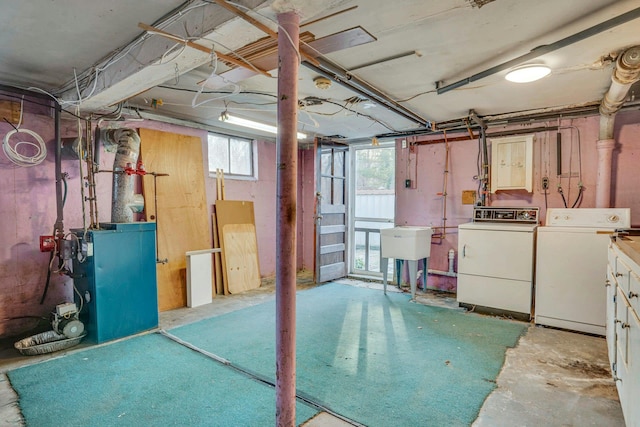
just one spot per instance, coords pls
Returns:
(331, 212)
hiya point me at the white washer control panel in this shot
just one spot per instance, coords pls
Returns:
(608, 218)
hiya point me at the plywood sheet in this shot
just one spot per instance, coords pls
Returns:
(182, 217)
(218, 284)
(232, 212)
(241, 255)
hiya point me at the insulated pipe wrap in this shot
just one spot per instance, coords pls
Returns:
(125, 202)
(626, 73)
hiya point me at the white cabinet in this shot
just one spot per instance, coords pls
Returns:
(623, 324)
(512, 163)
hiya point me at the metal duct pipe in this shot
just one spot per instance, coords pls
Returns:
(626, 73)
(125, 202)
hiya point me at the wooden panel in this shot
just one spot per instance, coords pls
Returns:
(333, 209)
(328, 229)
(340, 247)
(218, 285)
(231, 212)
(333, 271)
(234, 212)
(182, 217)
(339, 41)
(241, 255)
(10, 110)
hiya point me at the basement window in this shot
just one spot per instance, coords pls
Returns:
(235, 156)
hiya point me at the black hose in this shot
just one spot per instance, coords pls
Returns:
(564, 200)
(578, 198)
(46, 285)
(52, 253)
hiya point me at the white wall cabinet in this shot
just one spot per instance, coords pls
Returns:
(512, 163)
(623, 323)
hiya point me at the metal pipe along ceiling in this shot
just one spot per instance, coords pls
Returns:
(363, 88)
(543, 50)
(626, 73)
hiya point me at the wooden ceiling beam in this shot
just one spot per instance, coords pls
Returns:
(274, 35)
(220, 55)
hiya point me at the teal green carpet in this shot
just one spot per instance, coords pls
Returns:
(144, 381)
(377, 359)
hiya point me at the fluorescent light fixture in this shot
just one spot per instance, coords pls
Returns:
(528, 73)
(228, 118)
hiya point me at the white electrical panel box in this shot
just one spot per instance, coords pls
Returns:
(512, 163)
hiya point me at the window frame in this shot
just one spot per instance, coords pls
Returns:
(253, 176)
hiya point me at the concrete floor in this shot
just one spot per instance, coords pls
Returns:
(552, 377)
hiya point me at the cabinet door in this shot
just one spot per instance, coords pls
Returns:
(622, 342)
(496, 253)
(634, 291)
(622, 327)
(611, 318)
(512, 163)
(632, 412)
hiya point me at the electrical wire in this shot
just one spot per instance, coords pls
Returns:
(235, 91)
(172, 17)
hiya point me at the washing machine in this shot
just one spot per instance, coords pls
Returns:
(571, 267)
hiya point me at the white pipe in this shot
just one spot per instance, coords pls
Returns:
(626, 73)
(451, 272)
(603, 179)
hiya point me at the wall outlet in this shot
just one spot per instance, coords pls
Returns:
(404, 143)
(545, 183)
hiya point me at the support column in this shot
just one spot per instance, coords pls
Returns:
(286, 195)
(603, 180)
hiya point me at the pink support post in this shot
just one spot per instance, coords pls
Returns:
(286, 195)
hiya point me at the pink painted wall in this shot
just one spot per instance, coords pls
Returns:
(422, 205)
(28, 210)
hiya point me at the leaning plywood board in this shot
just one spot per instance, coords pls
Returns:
(234, 212)
(218, 286)
(231, 212)
(182, 217)
(241, 254)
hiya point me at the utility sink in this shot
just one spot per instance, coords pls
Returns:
(407, 243)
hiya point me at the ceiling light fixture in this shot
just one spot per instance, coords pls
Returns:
(528, 73)
(228, 118)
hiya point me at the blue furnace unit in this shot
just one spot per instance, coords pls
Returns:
(117, 280)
